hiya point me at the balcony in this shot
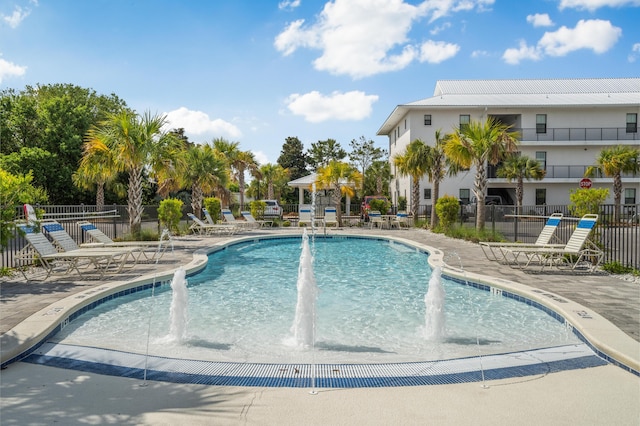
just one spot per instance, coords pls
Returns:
(561, 172)
(578, 134)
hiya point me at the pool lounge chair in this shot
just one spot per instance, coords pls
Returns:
(219, 228)
(304, 216)
(230, 219)
(63, 241)
(41, 250)
(330, 217)
(492, 250)
(400, 221)
(248, 217)
(376, 219)
(103, 240)
(577, 251)
(202, 228)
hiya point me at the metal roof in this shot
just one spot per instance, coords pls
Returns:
(523, 93)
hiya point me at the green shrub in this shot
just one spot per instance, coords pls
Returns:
(214, 207)
(170, 213)
(447, 209)
(402, 203)
(257, 209)
(585, 201)
(380, 205)
(619, 268)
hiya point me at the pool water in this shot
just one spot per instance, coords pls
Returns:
(370, 309)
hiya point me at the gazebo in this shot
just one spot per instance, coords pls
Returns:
(305, 183)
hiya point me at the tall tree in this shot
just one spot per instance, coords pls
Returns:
(377, 178)
(135, 143)
(413, 163)
(95, 171)
(436, 169)
(293, 158)
(476, 144)
(520, 167)
(322, 153)
(340, 179)
(274, 177)
(205, 169)
(363, 154)
(613, 162)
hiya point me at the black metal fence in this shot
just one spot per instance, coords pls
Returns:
(620, 240)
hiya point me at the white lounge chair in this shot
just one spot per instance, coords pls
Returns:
(578, 249)
(492, 249)
(230, 219)
(304, 216)
(42, 251)
(103, 240)
(202, 228)
(219, 228)
(330, 217)
(248, 217)
(376, 219)
(400, 221)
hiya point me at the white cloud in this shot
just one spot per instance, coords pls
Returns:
(635, 50)
(9, 69)
(361, 38)
(198, 123)
(592, 5)
(288, 4)
(596, 34)
(16, 17)
(440, 28)
(435, 52)
(480, 54)
(513, 56)
(540, 20)
(261, 157)
(316, 107)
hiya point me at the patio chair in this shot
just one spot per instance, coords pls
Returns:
(248, 217)
(376, 219)
(202, 228)
(577, 250)
(41, 250)
(492, 249)
(330, 217)
(401, 221)
(103, 240)
(219, 228)
(304, 216)
(230, 219)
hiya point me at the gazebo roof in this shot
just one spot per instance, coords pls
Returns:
(304, 182)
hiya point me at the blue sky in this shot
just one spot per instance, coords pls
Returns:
(257, 72)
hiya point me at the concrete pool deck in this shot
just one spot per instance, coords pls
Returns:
(42, 395)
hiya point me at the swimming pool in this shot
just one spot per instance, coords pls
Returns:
(370, 309)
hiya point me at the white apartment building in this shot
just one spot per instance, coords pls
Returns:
(563, 123)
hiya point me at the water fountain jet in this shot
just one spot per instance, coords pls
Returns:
(434, 303)
(304, 323)
(178, 312)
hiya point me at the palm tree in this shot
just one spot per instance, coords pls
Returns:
(613, 162)
(244, 161)
(95, 170)
(205, 170)
(414, 163)
(274, 175)
(340, 179)
(519, 168)
(134, 143)
(437, 166)
(477, 144)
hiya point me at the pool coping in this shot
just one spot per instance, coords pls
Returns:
(601, 335)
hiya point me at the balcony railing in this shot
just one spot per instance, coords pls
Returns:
(561, 172)
(578, 134)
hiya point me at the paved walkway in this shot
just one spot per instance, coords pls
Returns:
(33, 394)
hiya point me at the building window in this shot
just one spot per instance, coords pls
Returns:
(465, 195)
(541, 196)
(427, 119)
(464, 121)
(405, 124)
(541, 123)
(541, 157)
(632, 123)
(630, 196)
(427, 193)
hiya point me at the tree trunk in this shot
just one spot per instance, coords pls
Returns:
(434, 198)
(617, 196)
(480, 190)
(100, 196)
(134, 201)
(241, 189)
(196, 200)
(337, 198)
(415, 198)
